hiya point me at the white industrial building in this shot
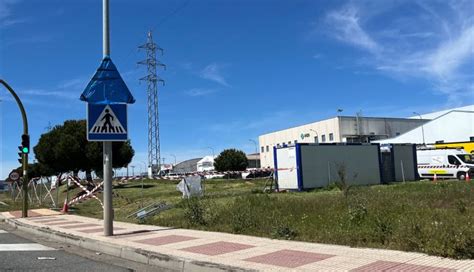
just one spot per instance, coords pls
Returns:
(454, 125)
(448, 126)
(205, 164)
(351, 129)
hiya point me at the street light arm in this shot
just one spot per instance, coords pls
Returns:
(20, 105)
(24, 210)
(422, 129)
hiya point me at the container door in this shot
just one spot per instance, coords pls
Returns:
(286, 164)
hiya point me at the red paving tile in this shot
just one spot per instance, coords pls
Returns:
(97, 230)
(217, 248)
(80, 226)
(163, 240)
(62, 223)
(395, 266)
(17, 214)
(289, 258)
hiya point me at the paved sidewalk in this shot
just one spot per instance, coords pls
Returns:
(182, 249)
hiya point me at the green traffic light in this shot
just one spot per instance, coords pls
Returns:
(24, 149)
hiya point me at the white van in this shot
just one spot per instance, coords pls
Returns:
(445, 163)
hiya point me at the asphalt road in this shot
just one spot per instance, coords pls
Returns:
(22, 252)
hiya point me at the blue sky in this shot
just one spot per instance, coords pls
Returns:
(236, 69)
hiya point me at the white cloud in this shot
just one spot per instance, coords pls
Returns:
(435, 46)
(449, 56)
(317, 56)
(200, 92)
(70, 89)
(213, 72)
(9, 22)
(75, 83)
(40, 92)
(347, 28)
(6, 13)
(5, 8)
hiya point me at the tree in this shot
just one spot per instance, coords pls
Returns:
(231, 160)
(122, 155)
(65, 148)
(36, 170)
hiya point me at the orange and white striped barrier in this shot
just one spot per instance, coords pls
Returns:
(87, 194)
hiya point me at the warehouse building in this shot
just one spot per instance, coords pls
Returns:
(350, 129)
(186, 166)
(454, 125)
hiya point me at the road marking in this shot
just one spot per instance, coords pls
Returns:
(24, 247)
(2, 231)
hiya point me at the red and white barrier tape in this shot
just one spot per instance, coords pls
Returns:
(88, 193)
(210, 173)
(441, 166)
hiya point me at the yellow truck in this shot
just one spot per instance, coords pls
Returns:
(467, 146)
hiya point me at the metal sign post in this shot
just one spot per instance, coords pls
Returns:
(108, 206)
(107, 96)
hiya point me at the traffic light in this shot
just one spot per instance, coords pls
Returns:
(25, 143)
(24, 148)
(20, 154)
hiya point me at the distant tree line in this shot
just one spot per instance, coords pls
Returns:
(65, 148)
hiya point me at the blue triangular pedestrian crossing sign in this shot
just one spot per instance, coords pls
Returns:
(107, 122)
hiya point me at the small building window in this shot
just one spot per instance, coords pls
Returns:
(331, 137)
(323, 138)
(397, 133)
(262, 148)
(316, 140)
(267, 148)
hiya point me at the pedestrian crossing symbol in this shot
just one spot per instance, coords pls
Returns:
(107, 122)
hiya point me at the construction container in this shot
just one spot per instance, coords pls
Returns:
(306, 166)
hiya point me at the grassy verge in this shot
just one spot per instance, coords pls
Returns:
(418, 216)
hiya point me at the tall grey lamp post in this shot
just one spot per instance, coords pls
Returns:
(316, 134)
(212, 149)
(144, 165)
(422, 129)
(172, 155)
(256, 152)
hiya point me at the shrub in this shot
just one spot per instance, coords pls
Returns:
(244, 213)
(284, 231)
(194, 211)
(383, 228)
(357, 213)
(343, 183)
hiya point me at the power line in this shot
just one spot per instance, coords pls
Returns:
(160, 22)
(176, 11)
